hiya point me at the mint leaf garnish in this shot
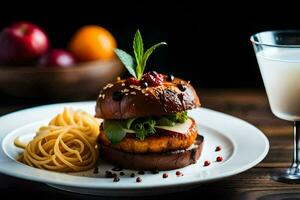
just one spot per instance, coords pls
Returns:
(148, 53)
(127, 60)
(136, 67)
(138, 47)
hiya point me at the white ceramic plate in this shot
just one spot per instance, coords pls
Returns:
(243, 146)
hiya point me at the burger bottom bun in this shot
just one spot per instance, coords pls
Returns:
(153, 161)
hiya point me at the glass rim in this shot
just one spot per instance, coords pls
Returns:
(276, 45)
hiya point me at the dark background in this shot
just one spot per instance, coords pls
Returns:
(208, 43)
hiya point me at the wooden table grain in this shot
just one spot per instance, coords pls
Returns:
(250, 105)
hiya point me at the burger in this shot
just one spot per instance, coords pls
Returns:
(145, 120)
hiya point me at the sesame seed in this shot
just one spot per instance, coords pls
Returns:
(109, 85)
(126, 94)
(123, 84)
(134, 93)
(146, 94)
(135, 87)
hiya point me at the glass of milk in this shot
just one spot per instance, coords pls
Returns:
(278, 57)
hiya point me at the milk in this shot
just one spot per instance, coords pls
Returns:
(280, 69)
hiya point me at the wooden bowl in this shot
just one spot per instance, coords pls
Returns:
(79, 82)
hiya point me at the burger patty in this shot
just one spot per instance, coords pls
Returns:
(161, 141)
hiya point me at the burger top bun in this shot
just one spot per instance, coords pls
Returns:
(122, 100)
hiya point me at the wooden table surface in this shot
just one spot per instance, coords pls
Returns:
(250, 105)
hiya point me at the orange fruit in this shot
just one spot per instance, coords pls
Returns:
(92, 43)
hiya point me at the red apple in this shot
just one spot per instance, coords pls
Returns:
(57, 58)
(22, 43)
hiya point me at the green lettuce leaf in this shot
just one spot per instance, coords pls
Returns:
(114, 130)
(143, 127)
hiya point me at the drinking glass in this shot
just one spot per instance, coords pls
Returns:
(278, 57)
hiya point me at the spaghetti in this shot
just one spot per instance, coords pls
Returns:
(67, 144)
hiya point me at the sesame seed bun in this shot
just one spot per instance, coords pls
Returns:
(120, 100)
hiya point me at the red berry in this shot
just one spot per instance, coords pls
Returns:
(132, 81)
(218, 148)
(153, 78)
(178, 173)
(206, 163)
(219, 159)
(165, 175)
(138, 179)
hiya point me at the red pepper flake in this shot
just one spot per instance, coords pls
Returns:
(138, 179)
(218, 148)
(206, 163)
(219, 159)
(165, 175)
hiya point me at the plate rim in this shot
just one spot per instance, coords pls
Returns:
(141, 186)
